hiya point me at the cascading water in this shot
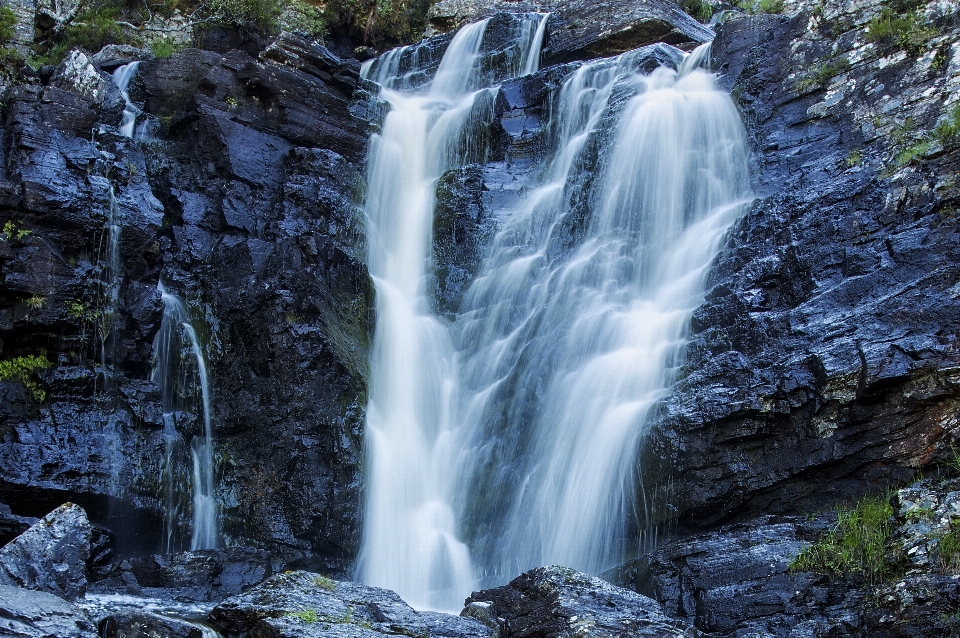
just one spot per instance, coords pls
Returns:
(179, 371)
(122, 76)
(516, 430)
(565, 349)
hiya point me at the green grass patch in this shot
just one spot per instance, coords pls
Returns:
(947, 132)
(306, 615)
(948, 551)
(698, 9)
(760, 6)
(21, 369)
(325, 583)
(856, 546)
(164, 47)
(893, 29)
(822, 72)
(913, 151)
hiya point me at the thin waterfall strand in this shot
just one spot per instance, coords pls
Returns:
(174, 378)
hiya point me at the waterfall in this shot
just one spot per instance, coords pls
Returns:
(509, 438)
(180, 366)
(565, 349)
(111, 277)
(122, 76)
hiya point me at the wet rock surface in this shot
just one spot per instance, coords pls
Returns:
(35, 614)
(583, 30)
(297, 604)
(52, 555)
(556, 602)
(821, 364)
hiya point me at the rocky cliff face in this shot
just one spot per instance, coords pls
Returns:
(246, 207)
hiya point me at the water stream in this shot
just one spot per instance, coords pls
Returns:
(509, 438)
(181, 371)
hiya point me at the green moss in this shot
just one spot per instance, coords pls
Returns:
(760, 6)
(21, 369)
(822, 72)
(913, 151)
(947, 132)
(324, 583)
(893, 28)
(13, 231)
(306, 615)
(856, 546)
(855, 158)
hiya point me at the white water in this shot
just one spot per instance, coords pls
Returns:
(517, 430)
(122, 76)
(175, 342)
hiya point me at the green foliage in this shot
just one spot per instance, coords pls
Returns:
(856, 546)
(21, 369)
(699, 9)
(306, 18)
(36, 301)
(76, 309)
(8, 20)
(947, 132)
(13, 231)
(306, 615)
(164, 47)
(822, 72)
(913, 151)
(94, 29)
(260, 15)
(378, 22)
(855, 158)
(760, 6)
(948, 550)
(324, 583)
(894, 28)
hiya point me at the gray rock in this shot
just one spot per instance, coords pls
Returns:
(145, 624)
(80, 75)
(52, 555)
(302, 605)
(583, 29)
(557, 602)
(114, 55)
(34, 614)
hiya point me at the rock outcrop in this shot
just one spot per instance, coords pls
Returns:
(556, 602)
(52, 555)
(582, 30)
(303, 604)
(822, 364)
(35, 614)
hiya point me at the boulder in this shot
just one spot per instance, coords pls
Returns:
(114, 55)
(145, 624)
(207, 575)
(34, 614)
(303, 604)
(52, 555)
(80, 75)
(557, 602)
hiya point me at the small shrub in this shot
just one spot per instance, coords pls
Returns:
(822, 72)
(947, 132)
(856, 546)
(21, 369)
(164, 47)
(307, 18)
(948, 550)
(94, 29)
(913, 151)
(76, 309)
(855, 158)
(8, 21)
(699, 9)
(760, 6)
(892, 29)
(13, 231)
(36, 301)
(261, 15)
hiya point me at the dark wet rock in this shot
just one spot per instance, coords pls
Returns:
(114, 55)
(556, 602)
(34, 614)
(460, 231)
(12, 525)
(81, 76)
(819, 367)
(583, 30)
(145, 624)
(52, 555)
(207, 575)
(304, 604)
